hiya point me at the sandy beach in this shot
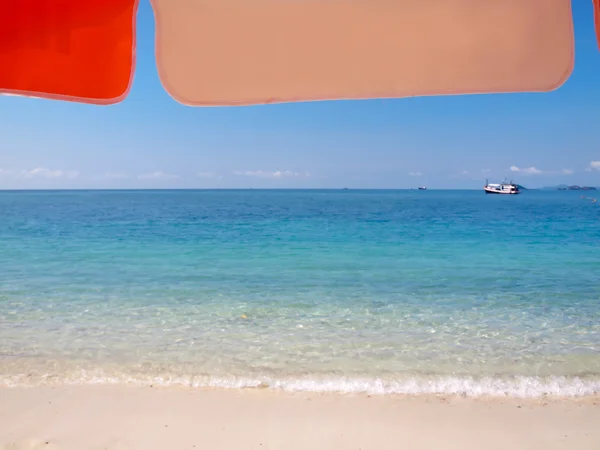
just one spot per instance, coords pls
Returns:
(120, 417)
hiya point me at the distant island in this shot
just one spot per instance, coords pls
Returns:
(564, 187)
(560, 187)
(577, 188)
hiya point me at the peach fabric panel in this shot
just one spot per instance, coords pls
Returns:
(240, 52)
(78, 50)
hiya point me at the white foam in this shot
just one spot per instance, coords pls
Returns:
(521, 387)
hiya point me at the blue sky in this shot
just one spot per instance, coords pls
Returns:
(151, 141)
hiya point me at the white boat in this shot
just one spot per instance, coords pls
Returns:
(501, 188)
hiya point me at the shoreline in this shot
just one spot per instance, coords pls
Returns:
(502, 387)
(128, 417)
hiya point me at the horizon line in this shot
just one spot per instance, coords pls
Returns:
(258, 189)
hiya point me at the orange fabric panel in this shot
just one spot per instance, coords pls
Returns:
(78, 50)
(240, 52)
(597, 20)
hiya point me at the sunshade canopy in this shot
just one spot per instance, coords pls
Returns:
(240, 52)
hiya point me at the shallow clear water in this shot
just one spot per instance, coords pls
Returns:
(376, 291)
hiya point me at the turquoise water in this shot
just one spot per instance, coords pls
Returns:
(350, 291)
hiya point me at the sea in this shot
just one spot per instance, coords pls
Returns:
(350, 291)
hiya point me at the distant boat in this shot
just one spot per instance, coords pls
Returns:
(422, 188)
(501, 188)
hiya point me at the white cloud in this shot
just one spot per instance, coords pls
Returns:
(4, 172)
(115, 176)
(526, 170)
(42, 172)
(535, 171)
(414, 174)
(159, 175)
(595, 165)
(276, 174)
